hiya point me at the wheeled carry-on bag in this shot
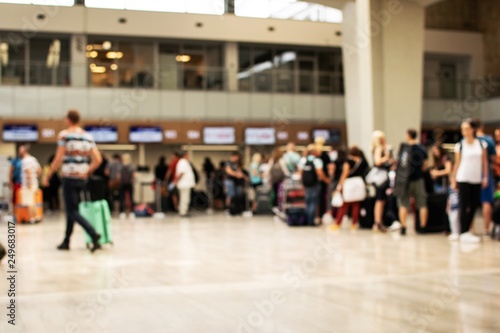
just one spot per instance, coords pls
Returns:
(22, 213)
(263, 200)
(438, 217)
(98, 215)
(496, 217)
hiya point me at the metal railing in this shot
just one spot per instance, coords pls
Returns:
(435, 88)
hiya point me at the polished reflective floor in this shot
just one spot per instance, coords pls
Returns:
(214, 273)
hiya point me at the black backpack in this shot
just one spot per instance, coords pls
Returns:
(309, 175)
(196, 174)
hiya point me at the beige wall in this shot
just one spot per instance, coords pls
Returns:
(458, 43)
(453, 14)
(489, 14)
(166, 25)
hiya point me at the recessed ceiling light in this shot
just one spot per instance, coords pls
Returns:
(106, 45)
(113, 67)
(183, 58)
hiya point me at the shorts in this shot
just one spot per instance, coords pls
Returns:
(487, 194)
(381, 192)
(28, 196)
(231, 189)
(416, 190)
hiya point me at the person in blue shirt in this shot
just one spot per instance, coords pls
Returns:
(15, 177)
(487, 193)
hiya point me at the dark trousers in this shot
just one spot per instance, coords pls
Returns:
(51, 197)
(322, 199)
(73, 189)
(126, 190)
(311, 198)
(470, 196)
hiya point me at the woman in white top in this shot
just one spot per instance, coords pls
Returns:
(470, 174)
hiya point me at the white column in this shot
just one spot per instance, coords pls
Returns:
(383, 47)
(79, 66)
(231, 63)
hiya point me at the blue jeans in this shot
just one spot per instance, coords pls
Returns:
(312, 201)
(73, 189)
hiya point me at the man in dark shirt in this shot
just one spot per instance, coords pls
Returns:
(234, 177)
(415, 187)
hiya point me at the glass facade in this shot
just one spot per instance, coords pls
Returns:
(290, 70)
(169, 65)
(41, 60)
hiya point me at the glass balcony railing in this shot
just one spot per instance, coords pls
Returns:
(180, 77)
(461, 89)
(37, 73)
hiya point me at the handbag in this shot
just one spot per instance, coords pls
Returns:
(377, 176)
(354, 189)
(337, 200)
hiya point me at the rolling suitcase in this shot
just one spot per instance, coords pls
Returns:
(199, 200)
(367, 212)
(296, 217)
(98, 215)
(263, 200)
(21, 212)
(238, 205)
(496, 219)
(438, 217)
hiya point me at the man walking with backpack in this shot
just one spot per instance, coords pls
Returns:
(311, 171)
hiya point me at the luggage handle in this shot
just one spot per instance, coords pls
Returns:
(85, 194)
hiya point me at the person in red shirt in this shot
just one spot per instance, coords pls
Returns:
(169, 177)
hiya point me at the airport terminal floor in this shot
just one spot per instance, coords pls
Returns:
(216, 273)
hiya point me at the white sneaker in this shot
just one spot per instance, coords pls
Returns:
(123, 216)
(469, 238)
(453, 237)
(132, 215)
(395, 226)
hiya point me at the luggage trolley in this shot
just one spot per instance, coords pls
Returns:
(291, 198)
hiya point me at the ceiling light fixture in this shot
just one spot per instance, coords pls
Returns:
(113, 67)
(97, 69)
(183, 58)
(89, 47)
(92, 54)
(114, 55)
(106, 45)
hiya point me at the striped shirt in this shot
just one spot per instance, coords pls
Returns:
(78, 146)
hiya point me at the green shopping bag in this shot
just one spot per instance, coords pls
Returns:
(98, 215)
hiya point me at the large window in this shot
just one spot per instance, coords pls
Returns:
(191, 66)
(290, 70)
(287, 9)
(41, 60)
(121, 63)
(213, 7)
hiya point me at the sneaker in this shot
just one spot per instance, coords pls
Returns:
(123, 216)
(276, 211)
(395, 226)
(354, 227)
(403, 231)
(334, 227)
(131, 215)
(453, 237)
(469, 238)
